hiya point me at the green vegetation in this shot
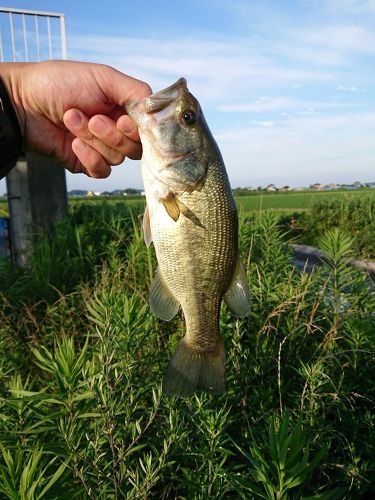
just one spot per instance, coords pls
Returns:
(82, 358)
(248, 201)
(296, 201)
(354, 215)
(3, 208)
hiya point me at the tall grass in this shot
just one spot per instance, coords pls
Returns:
(82, 358)
(356, 215)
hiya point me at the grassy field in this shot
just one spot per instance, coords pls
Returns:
(289, 201)
(82, 359)
(292, 201)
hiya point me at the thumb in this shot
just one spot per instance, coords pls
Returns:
(121, 88)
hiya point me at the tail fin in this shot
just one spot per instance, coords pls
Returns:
(190, 370)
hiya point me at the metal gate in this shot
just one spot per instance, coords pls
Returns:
(28, 35)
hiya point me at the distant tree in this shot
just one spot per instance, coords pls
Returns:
(132, 191)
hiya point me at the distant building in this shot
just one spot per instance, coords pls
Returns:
(118, 192)
(90, 194)
(330, 187)
(271, 187)
(317, 186)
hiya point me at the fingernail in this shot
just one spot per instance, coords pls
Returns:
(99, 126)
(74, 119)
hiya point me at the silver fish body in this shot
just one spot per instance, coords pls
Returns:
(191, 218)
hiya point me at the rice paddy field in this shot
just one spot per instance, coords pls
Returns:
(82, 357)
(281, 201)
(296, 201)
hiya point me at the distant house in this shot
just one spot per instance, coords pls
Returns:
(286, 188)
(330, 187)
(354, 185)
(317, 186)
(118, 192)
(90, 194)
(271, 187)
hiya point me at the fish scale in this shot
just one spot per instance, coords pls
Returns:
(206, 258)
(191, 218)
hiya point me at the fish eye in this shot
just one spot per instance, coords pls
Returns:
(189, 117)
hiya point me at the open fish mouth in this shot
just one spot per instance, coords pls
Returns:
(162, 99)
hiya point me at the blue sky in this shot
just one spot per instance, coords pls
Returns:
(287, 87)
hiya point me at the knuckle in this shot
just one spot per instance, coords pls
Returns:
(118, 159)
(118, 141)
(146, 89)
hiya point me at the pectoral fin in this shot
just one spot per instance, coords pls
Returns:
(188, 213)
(237, 296)
(172, 208)
(146, 227)
(162, 300)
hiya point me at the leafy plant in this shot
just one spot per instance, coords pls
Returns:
(284, 468)
(82, 358)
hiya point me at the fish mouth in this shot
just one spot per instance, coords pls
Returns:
(162, 99)
(177, 157)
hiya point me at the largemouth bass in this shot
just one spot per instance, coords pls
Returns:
(191, 218)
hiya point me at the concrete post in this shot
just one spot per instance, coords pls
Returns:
(37, 199)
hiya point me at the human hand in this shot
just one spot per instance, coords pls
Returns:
(75, 112)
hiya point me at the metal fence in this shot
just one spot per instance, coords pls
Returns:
(28, 35)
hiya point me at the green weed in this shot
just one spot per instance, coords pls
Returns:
(82, 359)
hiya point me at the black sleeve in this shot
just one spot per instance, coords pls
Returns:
(10, 133)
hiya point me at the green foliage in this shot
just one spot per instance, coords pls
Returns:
(284, 465)
(82, 359)
(355, 215)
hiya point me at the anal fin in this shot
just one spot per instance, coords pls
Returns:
(162, 301)
(237, 297)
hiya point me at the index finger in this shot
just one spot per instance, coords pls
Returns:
(120, 87)
(128, 128)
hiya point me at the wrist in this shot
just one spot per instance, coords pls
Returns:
(11, 135)
(11, 75)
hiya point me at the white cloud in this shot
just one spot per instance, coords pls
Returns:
(355, 38)
(351, 6)
(221, 70)
(297, 151)
(351, 88)
(264, 123)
